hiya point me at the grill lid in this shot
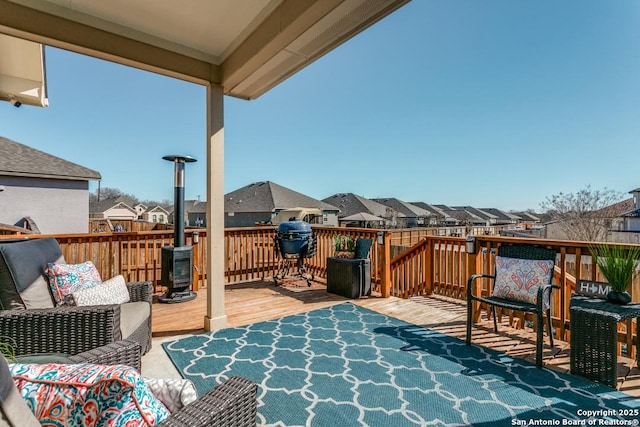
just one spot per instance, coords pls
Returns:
(294, 227)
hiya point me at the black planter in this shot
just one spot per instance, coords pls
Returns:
(619, 297)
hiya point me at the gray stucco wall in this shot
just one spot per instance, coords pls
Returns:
(56, 205)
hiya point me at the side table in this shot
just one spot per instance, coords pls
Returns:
(594, 337)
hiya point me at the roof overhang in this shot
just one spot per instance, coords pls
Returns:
(246, 46)
(22, 72)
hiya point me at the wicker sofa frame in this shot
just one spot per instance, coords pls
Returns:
(70, 329)
(232, 403)
(529, 252)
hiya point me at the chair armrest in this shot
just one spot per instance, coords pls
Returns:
(125, 352)
(232, 403)
(140, 291)
(472, 279)
(69, 330)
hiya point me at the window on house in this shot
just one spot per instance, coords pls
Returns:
(155, 218)
(161, 217)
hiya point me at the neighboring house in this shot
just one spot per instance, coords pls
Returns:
(617, 223)
(195, 213)
(259, 203)
(52, 192)
(487, 218)
(351, 204)
(157, 214)
(437, 217)
(466, 217)
(631, 218)
(115, 208)
(412, 215)
(502, 217)
(123, 210)
(528, 219)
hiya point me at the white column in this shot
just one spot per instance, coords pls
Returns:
(216, 317)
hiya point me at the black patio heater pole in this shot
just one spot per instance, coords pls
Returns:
(177, 261)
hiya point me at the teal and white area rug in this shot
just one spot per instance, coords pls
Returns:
(350, 366)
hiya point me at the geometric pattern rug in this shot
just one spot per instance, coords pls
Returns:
(350, 366)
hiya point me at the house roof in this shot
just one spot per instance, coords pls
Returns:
(267, 196)
(104, 205)
(195, 206)
(476, 212)
(247, 46)
(409, 210)
(528, 216)
(21, 160)
(433, 210)
(623, 208)
(351, 204)
(501, 215)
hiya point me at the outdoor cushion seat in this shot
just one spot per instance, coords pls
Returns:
(29, 315)
(232, 403)
(522, 282)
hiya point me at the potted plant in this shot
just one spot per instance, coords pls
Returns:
(618, 265)
(344, 246)
(7, 346)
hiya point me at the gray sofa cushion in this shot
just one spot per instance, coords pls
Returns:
(23, 282)
(132, 316)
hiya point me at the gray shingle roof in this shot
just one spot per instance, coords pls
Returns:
(351, 204)
(409, 210)
(20, 160)
(267, 196)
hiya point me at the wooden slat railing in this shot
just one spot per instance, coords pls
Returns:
(434, 265)
(447, 268)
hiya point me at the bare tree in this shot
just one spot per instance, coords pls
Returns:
(576, 214)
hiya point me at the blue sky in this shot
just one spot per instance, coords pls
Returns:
(483, 103)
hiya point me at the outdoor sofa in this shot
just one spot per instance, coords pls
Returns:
(231, 404)
(29, 316)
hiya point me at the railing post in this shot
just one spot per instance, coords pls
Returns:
(385, 265)
(429, 266)
(474, 267)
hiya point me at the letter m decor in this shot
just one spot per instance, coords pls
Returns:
(593, 289)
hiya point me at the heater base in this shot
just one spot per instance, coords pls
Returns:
(175, 297)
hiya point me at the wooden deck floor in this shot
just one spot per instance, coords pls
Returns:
(256, 301)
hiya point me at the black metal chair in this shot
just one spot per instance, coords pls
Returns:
(541, 306)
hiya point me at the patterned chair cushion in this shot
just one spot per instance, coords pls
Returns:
(519, 279)
(87, 395)
(112, 291)
(64, 279)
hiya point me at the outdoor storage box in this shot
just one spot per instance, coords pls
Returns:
(349, 278)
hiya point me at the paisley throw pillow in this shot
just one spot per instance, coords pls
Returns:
(519, 279)
(87, 395)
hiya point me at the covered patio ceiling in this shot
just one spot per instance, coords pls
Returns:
(240, 48)
(245, 46)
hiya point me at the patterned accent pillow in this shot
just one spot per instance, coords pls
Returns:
(64, 279)
(87, 395)
(173, 393)
(112, 291)
(519, 279)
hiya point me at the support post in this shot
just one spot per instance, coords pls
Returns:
(216, 317)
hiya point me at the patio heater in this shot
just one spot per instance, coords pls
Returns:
(177, 260)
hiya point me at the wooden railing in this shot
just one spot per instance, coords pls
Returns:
(441, 266)
(433, 265)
